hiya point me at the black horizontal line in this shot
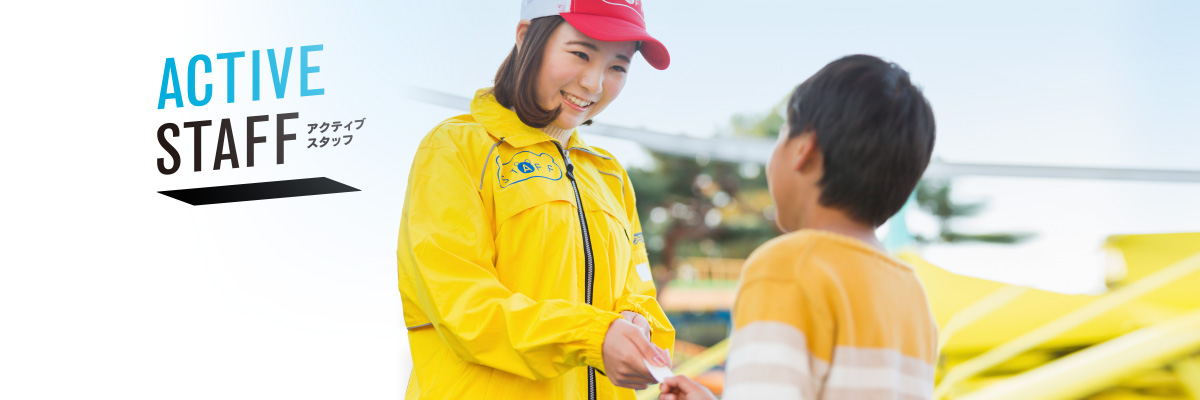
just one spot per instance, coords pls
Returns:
(258, 191)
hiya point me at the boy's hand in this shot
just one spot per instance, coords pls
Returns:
(680, 387)
(637, 320)
(625, 346)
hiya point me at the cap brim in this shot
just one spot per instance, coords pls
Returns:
(611, 29)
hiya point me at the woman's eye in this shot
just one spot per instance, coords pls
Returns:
(581, 54)
(619, 68)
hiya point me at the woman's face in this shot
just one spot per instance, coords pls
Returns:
(580, 74)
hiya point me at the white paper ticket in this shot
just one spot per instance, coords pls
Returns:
(659, 373)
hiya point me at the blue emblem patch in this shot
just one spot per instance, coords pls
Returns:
(637, 238)
(527, 165)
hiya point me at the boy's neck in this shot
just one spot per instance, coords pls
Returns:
(838, 222)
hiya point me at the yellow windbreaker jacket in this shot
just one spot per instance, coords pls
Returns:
(508, 283)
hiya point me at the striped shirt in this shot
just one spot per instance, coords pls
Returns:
(824, 316)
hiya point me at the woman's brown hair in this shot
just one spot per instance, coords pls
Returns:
(516, 81)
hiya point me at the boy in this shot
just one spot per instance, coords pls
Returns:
(823, 312)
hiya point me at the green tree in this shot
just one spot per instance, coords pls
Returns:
(695, 207)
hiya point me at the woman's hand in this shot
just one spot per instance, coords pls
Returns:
(625, 346)
(680, 387)
(637, 320)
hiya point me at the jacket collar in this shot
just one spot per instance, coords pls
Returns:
(503, 123)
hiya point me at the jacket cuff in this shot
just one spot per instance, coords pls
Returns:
(593, 355)
(662, 334)
(625, 305)
(637, 308)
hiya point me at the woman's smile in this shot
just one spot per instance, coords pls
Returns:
(575, 102)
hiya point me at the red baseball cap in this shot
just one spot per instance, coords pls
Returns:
(606, 20)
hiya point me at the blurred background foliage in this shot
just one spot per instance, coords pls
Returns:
(697, 207)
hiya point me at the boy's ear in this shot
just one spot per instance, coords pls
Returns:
(522, 29)
(805, 149)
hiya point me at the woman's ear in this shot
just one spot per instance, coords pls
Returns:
(522, 29)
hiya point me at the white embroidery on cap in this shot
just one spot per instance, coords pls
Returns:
(634, 2)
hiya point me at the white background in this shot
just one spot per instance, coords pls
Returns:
(111, 290)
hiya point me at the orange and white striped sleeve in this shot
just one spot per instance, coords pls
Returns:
(771, 354)
(799, 340)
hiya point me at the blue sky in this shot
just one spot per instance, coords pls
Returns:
(1070, 83)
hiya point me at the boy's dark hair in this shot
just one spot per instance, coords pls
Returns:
(875, 131)
(516, 80)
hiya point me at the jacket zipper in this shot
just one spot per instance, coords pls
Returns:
(589, 265)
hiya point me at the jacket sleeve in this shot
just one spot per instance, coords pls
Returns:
(639, 294)
(446, 254)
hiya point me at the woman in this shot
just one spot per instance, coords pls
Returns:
(521, 261)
